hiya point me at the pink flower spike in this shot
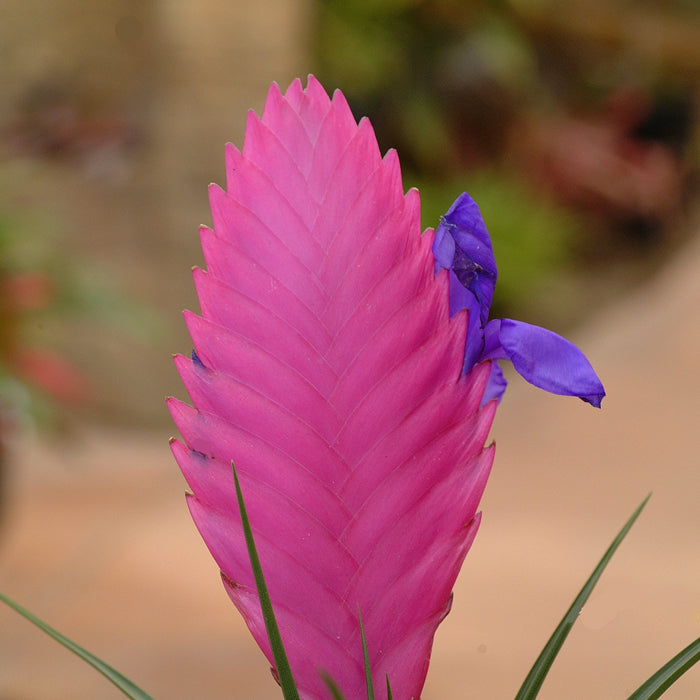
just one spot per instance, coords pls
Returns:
(327, 368)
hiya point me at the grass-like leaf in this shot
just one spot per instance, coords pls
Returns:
(388, 688)
(668, 674)
(332, 687)
(284, 672)
(533, 682)
(365, 656)
(127, 687)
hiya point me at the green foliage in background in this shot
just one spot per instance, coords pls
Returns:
(439, 81)
(409, 63)
(454, 84)
(43, 290)
(533, 238)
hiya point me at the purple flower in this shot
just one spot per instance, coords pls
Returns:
(462, 245)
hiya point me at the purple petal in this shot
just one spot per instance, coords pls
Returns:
(462, 298)
(550, 362)
(473, 261)
(443, 248)
(493, 350)
(496, 386)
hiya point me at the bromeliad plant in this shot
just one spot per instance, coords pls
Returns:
(345, 363)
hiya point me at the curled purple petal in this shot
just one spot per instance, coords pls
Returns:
(549, 361)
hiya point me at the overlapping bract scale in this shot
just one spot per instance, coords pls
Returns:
(326, 367)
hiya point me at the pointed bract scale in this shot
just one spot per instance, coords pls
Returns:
(298, 115)
(271, 467)
(272, 375)
(227, 308)
(367, 216)
(327, 367)
(246, 407)
(416, 643)
(422, 430)
(255, 240)
(241, 273)
(282, 118)
(379, 345)
(371, 523)
(340, 162)
(380, 271)
(398, 394)
(262, 144)
(220, 528)
(255, 194)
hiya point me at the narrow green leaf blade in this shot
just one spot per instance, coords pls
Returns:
(365, 656)
(284, 672)
(127, 687)
(332, 687)
(388, 688)
(533, 682)
(668, 674)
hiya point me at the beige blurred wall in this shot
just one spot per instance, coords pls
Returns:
(144, 94)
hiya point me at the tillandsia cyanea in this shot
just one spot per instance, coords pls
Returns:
(330, 368)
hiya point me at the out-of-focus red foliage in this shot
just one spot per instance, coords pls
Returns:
(52, 374)
(600, 162)
(23, 294)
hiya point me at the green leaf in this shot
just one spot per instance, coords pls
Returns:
(127, 687)
(388, 688)
(335, 691)
(365, 656)
(332, 687)
(668, 674)
(532, 684)
(284, 672)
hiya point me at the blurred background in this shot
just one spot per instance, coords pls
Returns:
(574, 124)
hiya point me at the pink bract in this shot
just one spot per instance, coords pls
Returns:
(327, 368)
